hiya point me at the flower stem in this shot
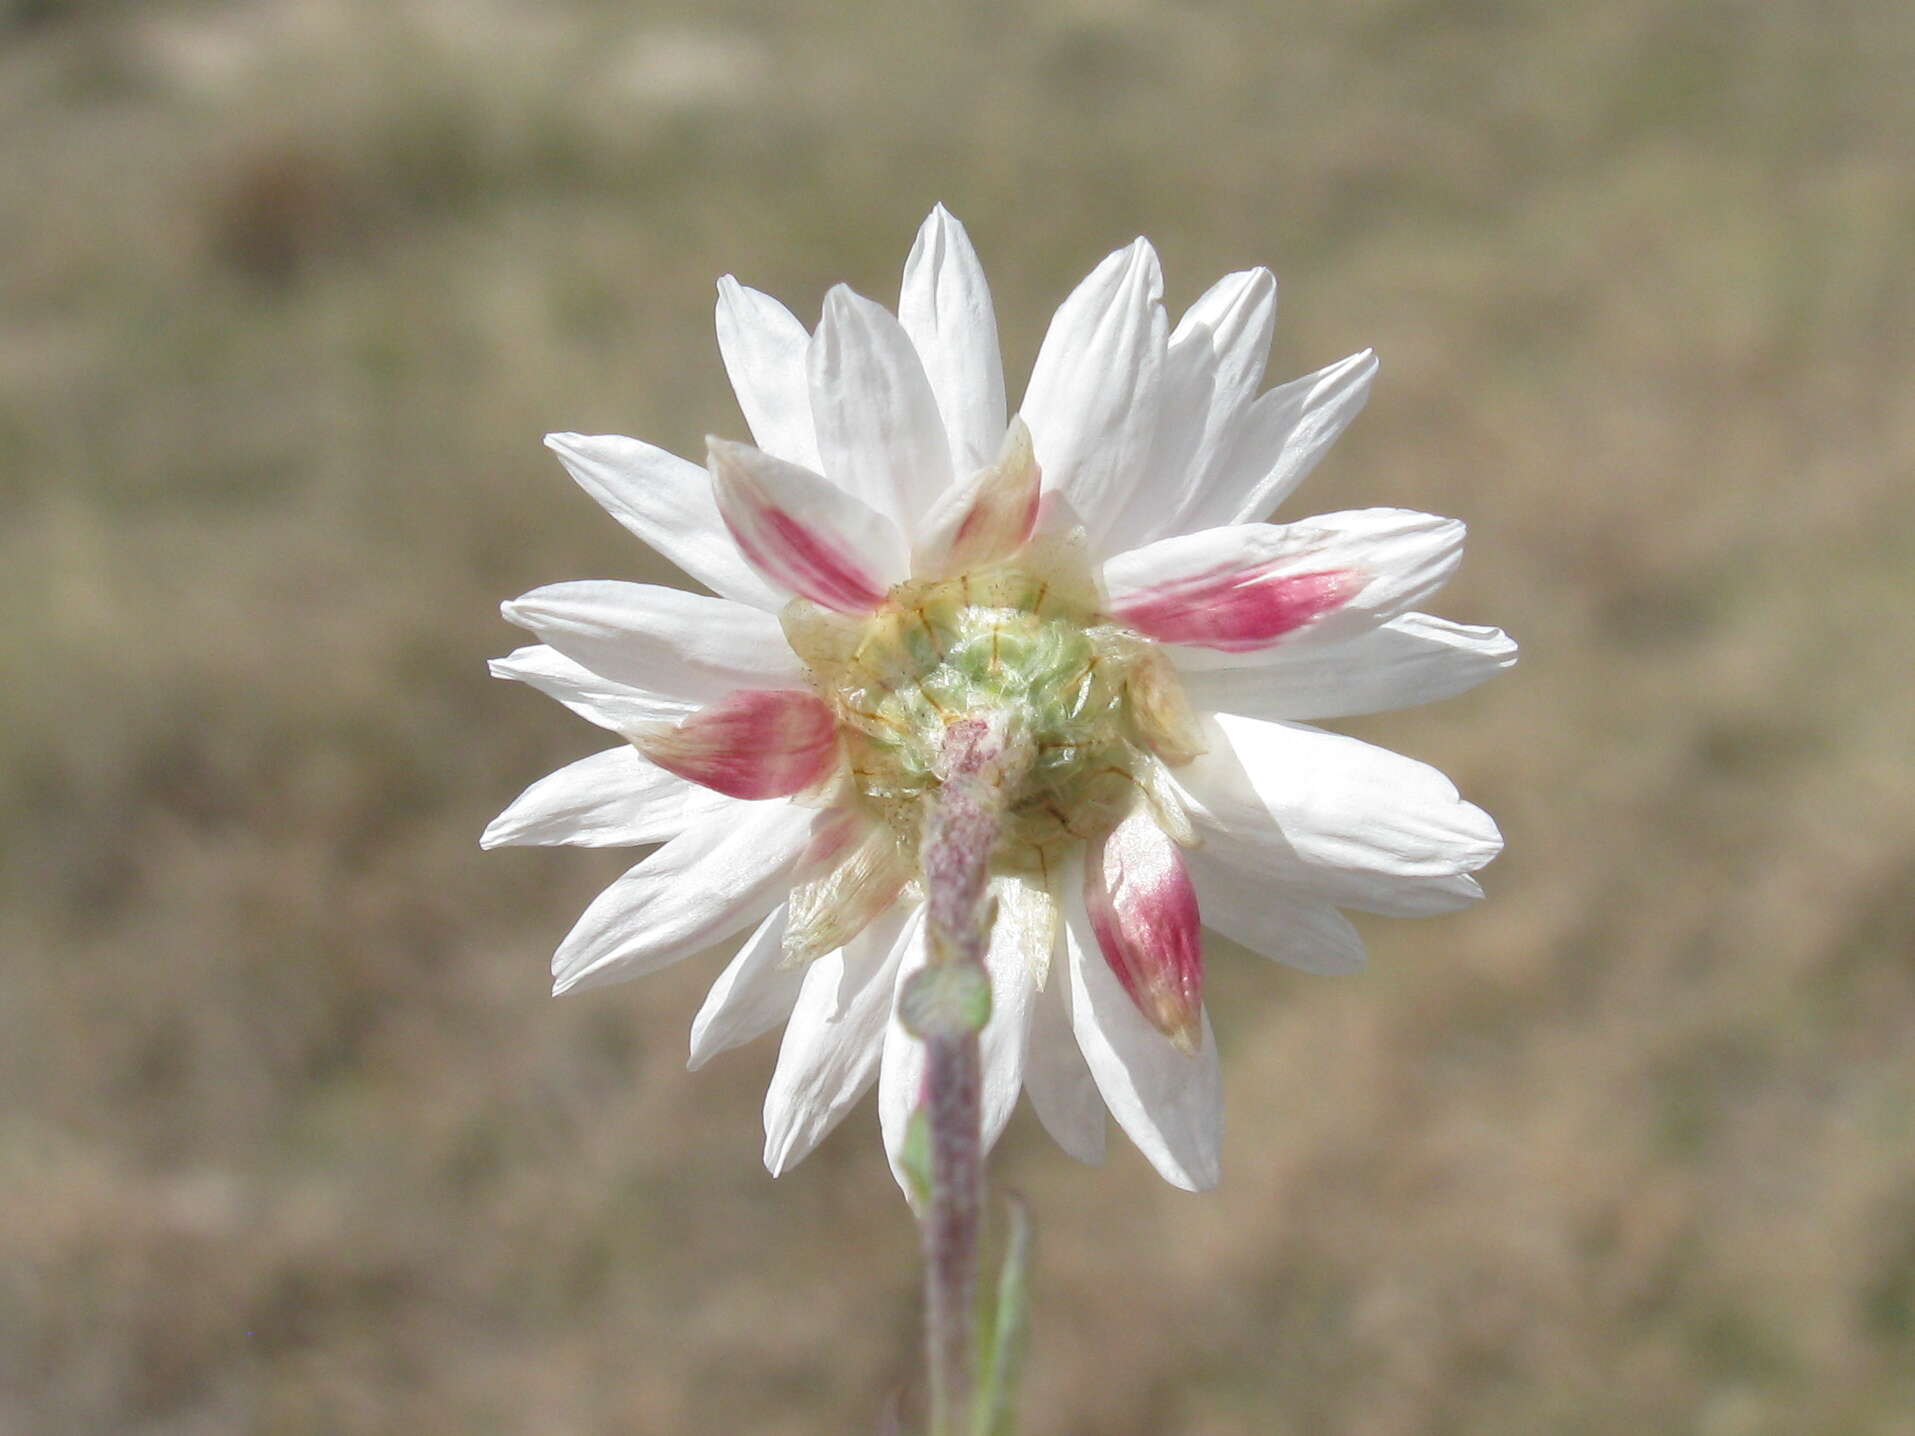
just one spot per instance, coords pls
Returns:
(980, 763)
(951, 1231)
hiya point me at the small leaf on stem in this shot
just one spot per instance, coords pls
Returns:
(1007, 1329)
(915, 1159)
(946, 1001)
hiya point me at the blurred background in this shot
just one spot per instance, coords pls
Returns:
(293, 1138)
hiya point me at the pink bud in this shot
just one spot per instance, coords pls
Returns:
(757, 743)
(1143, 909)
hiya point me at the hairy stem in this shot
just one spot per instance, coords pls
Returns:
(951, 1231)
(980, 763)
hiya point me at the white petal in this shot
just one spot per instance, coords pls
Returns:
(879, 434)
(1240, 311)
(1381, 560)
(613, 799)
(763, 346)
(802, 533)
(945, 307)
(1093, 399)
(756, 743)
(1001, 1048)
(834, 1038)
(1278, 442)
(1190, 371)
(700, 888)
(668, 503)
(1006, 1040)
(1063, 1094)
(1385, 894)
(595, 698)
(900, 1089)
(754, 993)
(1309, 807)
(1412, 659)
(1169, 1104)
(1302, 932)
(664, 640)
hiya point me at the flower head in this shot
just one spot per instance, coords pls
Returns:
(895, 555)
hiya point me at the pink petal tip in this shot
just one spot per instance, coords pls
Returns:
(1143, 908)
(1237, 609)
(805, 555)
(757, 743)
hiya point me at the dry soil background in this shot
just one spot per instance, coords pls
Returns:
(293, 1139)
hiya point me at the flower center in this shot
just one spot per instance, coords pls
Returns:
(1022, 641)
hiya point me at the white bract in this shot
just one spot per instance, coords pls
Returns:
(897, 552)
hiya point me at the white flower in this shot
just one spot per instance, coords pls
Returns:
(894, 552)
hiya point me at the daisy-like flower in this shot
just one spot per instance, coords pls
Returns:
(896, 554)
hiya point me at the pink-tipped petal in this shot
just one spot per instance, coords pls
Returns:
(1236, 608)
(1247, 588)
(1143, 909)
(758, 743)
(801, 533)
(1004, 510)
(1168, 1101)
(987, 519)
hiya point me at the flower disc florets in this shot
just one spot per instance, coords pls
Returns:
(1021, 640)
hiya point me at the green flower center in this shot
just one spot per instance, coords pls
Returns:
(1021, 640)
